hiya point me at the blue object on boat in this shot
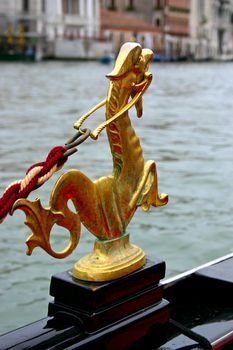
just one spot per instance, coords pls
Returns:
(157, 57)
(107, 59)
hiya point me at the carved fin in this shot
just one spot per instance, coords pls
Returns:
(41, 220)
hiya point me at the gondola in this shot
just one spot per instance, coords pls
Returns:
(116, 296)
(199, 305)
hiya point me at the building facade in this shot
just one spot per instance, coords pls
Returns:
(133, 8)
(211, 26)
(119, 28)
(169, 17)
(73, 26)
(173, 17)
(175, 29)
(133, 21)
(60, 28)
(22, 26)
(72, 18)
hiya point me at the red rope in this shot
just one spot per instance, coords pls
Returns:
(13, 192)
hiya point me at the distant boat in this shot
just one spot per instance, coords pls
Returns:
(106, 59)
(28, 55)
(160, 58)
(157, 57)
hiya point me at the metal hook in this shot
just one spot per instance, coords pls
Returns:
(76, 140)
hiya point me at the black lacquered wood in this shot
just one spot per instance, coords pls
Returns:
(90, 296)
(99, 305)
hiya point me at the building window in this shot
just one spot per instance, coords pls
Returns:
(112, 5)
(157, 22)
(201, 7)
(122, 38)
(70, 7)
(25, 26)
(43, 6)
(158, 4)
(221, 9)
(135, 36)
(25, 5)
(65, 7)
(130, 6)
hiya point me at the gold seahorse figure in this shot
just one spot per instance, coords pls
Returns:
(105, 206)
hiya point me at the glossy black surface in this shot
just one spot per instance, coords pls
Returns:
(95, 295)
(201, 301)
(109, 315)
(99, 305)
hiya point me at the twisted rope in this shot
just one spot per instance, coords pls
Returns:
(36, 176)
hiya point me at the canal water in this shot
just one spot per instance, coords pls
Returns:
(186, 128)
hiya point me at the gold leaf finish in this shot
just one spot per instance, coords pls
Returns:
(41, 220)
(109, 260)
(106, 206)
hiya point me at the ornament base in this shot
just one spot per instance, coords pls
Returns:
(109, 260)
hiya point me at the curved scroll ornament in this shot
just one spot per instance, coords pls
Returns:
(105, 206)
(41, 220)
